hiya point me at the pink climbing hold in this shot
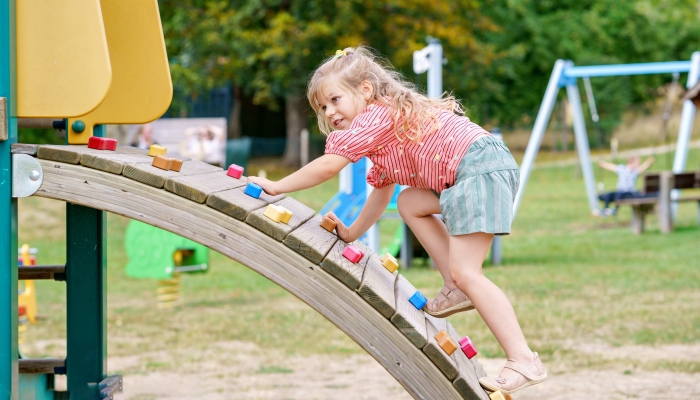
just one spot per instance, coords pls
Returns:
(467, 347)
(353, 254)
(235, 171)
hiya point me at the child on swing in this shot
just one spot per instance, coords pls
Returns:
(451, 165)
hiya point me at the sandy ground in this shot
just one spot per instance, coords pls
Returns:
(240, 370)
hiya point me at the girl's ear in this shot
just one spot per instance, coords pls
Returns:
(367, 90)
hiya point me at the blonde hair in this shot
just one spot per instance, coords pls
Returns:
(413, 110)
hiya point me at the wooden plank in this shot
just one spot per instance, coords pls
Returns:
(301, 214)
(268, 257)
(467, 380)
(435, 353)
(198, 187)
(347, 272)
(24, 148)
(73, 154)
(40, 365)
(3, 119)
(377, 286)
(237, 204)
(638, 201)
(311, 240)
(156, 177)
(663, 209)
(64, 154)
(40, 272)
(409, 320)
(113, 162)
(688, 198)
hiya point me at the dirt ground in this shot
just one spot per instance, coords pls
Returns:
(241, 370)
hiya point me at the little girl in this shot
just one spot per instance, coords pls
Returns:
(452, 167)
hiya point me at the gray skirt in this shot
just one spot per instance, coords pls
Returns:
(481, 200)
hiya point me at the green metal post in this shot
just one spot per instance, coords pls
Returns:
(86, 285)
(9, 379)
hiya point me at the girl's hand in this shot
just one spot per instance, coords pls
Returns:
(340, 228)
(270, 187)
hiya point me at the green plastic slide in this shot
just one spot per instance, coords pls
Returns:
(150, 251)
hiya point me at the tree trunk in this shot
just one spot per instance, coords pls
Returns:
(296, 119)
(234, 121)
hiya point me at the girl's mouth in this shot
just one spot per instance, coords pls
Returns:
(337, 122)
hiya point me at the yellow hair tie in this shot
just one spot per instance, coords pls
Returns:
(339, 53)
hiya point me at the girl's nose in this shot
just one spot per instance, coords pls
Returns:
(329, 112)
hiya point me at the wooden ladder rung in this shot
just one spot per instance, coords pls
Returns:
(55, 272)
(42, 366)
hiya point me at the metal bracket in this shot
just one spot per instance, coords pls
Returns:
(27, 175)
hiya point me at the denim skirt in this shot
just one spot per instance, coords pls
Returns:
(481, 200)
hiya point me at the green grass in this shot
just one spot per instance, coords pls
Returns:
(572, 279)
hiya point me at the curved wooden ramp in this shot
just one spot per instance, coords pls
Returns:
(201, 203)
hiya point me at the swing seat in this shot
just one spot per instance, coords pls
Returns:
(658, 195)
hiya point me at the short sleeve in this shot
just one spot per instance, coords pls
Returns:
(377, 179)
(368, 128)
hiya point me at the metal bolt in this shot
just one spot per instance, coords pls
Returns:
(78, 126)
(34, 175)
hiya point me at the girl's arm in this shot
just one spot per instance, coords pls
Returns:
(646, 164)
(376, 203)
(609, 166)
(312, 174)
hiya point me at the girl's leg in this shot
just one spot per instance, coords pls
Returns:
(417, 208)
(467, 254)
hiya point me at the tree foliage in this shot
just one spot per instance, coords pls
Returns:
(270, 47)
(532, 34)
(500, 52)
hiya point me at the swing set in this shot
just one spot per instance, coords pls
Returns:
(565, 75)
(595, 118)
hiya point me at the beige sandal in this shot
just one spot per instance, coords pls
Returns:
(451, 302)
(530, 375)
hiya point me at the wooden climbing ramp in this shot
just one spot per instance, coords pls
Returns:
(203, 204)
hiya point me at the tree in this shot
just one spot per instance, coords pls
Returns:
(532, 34)
(268, 48)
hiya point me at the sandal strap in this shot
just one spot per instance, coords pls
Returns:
(443, 293)
(521, 369)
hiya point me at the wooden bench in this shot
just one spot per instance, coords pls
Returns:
(662, 183)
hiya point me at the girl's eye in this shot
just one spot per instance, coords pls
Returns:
(334, 100)
(323, 108)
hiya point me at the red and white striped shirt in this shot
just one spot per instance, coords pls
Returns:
(430, 163)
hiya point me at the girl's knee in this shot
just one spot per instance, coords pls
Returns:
(404, 203)
(465, 276)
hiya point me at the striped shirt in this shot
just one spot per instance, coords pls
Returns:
(430, 163)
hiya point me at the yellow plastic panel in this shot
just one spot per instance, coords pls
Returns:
(141, 88)
(63, 67)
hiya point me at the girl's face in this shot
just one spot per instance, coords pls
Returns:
(341, 107)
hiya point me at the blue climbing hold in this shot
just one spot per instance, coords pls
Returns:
(253, 190)
(418, 300)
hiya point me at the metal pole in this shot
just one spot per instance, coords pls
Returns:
(582, 143)
(435, 69)
(533, 146)
(86, 302)
(496, 251)
(373, 232)
(434, 92)
(687, 117)
(304, 136)
(9, 368)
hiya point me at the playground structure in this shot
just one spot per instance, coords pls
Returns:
(364, 299)
(158, 254)
(565, 74)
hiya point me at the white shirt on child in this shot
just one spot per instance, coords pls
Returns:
(626, 179)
